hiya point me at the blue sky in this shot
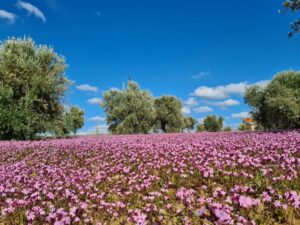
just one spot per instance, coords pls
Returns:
(204, 52)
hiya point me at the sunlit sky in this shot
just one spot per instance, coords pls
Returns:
(204, 52)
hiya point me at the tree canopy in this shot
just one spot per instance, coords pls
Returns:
(227, 129)
(293, 6)
(73, 119)
(32, 87)
(276, 106)
(211, 124)
(189, 123)
(129, 111)
(168, 114)
(133, 111)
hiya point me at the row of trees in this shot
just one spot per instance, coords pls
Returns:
(275, 106)
(33, 86)
(133, 110)
(32, 90)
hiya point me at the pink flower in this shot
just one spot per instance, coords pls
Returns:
(30, 216)
(200, 212)
(247, 202)
(84, 205)
(222, 215)
(293, 198)
(185, 195)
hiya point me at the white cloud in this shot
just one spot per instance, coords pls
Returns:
(191, 102)
(220, 92)
(186, 110)
(225, 91)
(87, 87)
(228, 102)
(201, 75)
(200, 120)
(97, 119)
(202, 109)
(95, 101)
(223, 104)
(240, 115)
(8, 16)
(31, 9)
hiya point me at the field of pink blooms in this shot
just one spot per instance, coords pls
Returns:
(204, 178)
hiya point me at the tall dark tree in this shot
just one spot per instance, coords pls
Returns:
(168, 114)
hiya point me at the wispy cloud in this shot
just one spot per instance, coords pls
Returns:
(31, 9)
(223, 104)
(200, 120)
(240, 115)
(97, 119)
(225, 91)
(8, 16)
(98, 13)
(95, 101)
(87, 88)
(191, 102)
(203, 109)
(201, 75)
(186, 110)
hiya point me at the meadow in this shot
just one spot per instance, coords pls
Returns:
(202, 178)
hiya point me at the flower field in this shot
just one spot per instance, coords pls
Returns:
(204, 178)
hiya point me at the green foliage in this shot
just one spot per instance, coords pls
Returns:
(73, 119)
(243, 127)
(227, 129)
(168, 114)
(211, 124)
(200, 128)
(129, 111)
(276, 106)
(133, 111)
(17, 119)
(32, 85)
(293, 6)
(189, 123)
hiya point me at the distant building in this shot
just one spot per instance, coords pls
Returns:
(249, 124)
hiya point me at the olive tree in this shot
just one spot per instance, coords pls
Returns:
(211, 124)
(129, 111)
(168, 114)
(276, 106)
(32, 87)
(73, 120)
(189, 123)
